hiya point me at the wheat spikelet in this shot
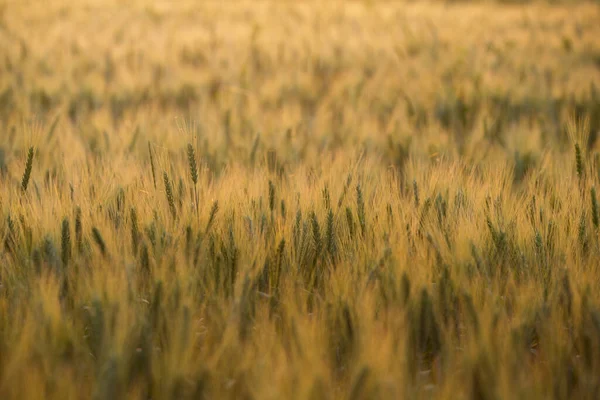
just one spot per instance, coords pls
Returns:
(360, 209)
(579, 162)
(211, 218)
(193, 166)
(135, 231)
(271, 196)
(416, 193)
(283, 209)
(330, 234)
(170, 197)
(145, 259)
(350, 221)
(99, 240)
(297, 228)
(326, 198)
(78, 229)
(582, 234)
(28, 168)
(65, 242)
(50, 253)
(316, 233)
(192, 163)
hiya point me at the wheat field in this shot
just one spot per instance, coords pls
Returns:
(299, 200)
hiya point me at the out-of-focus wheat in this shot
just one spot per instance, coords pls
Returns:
(378, 200)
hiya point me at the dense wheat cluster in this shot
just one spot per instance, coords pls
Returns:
(280, 200)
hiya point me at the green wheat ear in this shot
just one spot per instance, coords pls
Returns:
(416, 192)
(360, 209)
(28, 167)
(213, 214)
(170, 197)
(78, 229)
(283, 209)
(316, 232)
(99, 240)
(271, 196)
(582, 233)
(135, 231)
(192, 163)
(330, 234)
(66, 241)
(579, 162)
(145, 259)
(326, 197)
(350, 219)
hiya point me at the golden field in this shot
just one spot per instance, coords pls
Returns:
(299, 200)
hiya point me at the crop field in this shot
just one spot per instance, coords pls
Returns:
(299, 200)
